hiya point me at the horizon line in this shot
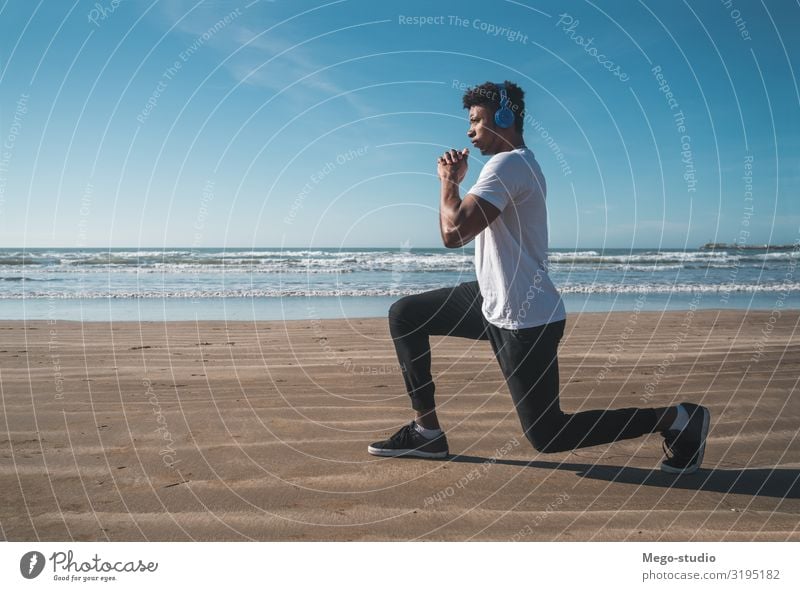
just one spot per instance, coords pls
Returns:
(466, 247)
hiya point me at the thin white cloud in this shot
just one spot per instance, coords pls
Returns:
(274, 60)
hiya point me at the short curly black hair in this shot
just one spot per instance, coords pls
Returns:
(488, 95)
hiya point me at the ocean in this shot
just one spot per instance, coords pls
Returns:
(150, 284)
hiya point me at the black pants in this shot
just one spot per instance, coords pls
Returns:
(528, 359)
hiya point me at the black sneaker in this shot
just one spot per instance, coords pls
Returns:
(409, 442)
(685, 448)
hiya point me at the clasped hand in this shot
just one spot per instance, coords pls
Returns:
(452, 165)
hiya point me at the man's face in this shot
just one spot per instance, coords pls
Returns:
(482, 130)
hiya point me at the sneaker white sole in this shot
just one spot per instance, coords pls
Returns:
(703, 435)
(396, 453)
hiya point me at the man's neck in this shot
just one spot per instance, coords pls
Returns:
(512, 143)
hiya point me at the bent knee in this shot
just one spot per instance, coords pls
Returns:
(401, 309)
(543, 441)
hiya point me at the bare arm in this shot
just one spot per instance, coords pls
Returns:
(460, 220)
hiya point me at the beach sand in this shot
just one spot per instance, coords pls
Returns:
(214, 431)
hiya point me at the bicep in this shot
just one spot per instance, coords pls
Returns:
(474, 215)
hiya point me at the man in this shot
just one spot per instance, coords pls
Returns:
(513, 304)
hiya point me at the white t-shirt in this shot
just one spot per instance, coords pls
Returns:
(511, 253)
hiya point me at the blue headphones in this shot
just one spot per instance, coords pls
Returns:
(504, 116)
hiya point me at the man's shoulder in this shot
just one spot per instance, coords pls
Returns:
(513, 158)
(515, 162)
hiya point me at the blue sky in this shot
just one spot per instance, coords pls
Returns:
(308, 124)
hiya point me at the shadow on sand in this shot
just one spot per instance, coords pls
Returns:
(781, 483)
